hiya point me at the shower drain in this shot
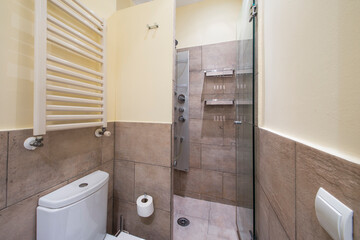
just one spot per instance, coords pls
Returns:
(183, 222)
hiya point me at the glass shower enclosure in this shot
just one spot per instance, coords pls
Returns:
(244, 124)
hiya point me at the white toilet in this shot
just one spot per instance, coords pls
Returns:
(77, 211)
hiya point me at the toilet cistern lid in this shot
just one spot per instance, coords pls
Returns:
(75, 191)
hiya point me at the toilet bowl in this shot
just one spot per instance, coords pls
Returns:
(77, 211)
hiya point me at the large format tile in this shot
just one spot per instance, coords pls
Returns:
(196, 80)
(191, 207)
(65, 154)
(109, 168)
(262, 207)
(229, 182)
(196, 230)
(206, 131)
(194, 58)
(195, 155)
(315, 169)
(218, 158)
(276, 174)
(222, 221)
(220, 55)
(155, 181)
(155, 227)
(143, 142)
(124, 181)
(3, 168)
(276, 230)
(19, 220)
(108, 143)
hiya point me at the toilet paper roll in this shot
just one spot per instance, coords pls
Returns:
(145, 205)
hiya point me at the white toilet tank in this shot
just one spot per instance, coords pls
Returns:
(76, 211)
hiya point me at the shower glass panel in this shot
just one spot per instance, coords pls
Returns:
(244, 124)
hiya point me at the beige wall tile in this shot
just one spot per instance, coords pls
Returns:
(218, 158)
(206, 131)
(196, 83)
(143, 142)
(124, 181)
(3, 167)
(177, 181)
(110, 216)
(276, 174)
(155, 181)
(315, 169)
(156, 227)
(196, 107)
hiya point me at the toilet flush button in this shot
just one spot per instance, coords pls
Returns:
(335, 217)
(82, 185)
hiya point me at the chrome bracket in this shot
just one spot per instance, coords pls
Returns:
(253, 12)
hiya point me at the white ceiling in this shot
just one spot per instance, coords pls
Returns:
(179, 3)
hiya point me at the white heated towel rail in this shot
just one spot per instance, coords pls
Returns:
(68, 95)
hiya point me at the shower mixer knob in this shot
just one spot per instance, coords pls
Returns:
(181, 98)
(182, 119)
(181, 109)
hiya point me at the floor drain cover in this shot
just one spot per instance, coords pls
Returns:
(183, 222)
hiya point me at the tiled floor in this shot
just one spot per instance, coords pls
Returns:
(208, 220)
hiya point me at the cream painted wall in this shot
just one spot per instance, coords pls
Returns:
(103, 9)
(311, 89)
(207, 22)
(16, 62)
(142, 61)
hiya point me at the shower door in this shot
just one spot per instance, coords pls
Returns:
(244, 124)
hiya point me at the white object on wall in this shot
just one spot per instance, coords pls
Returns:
(335, 217)
(145, 205)
(85, 107)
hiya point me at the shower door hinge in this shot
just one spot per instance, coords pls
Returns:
(253, 12)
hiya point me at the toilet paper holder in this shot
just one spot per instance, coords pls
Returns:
(334, 216)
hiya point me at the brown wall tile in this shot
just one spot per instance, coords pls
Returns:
(3, 167)
(211, 183)
(19, 220)
(218, 158)
(155, 181)
(276, 174)
(65, 154)
(229, 188)
(124, 181)
(206, 131)
(109, 168)
(191, 181)
(108, 144)
(221, 55)
(315, 169)
(262, 207)
(195, 155)
(196, 83)
(276, 230)
(144, 143)
(155, 227)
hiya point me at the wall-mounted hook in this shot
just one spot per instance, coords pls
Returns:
(102, 132)
(154, 26)
(32, 143)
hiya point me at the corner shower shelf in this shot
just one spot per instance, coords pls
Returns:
(218, 102)
(243, 102)
(244, 71)
(219, 73)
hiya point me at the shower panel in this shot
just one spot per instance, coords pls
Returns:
(181, 113)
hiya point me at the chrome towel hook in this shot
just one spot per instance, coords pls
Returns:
(154, 26)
